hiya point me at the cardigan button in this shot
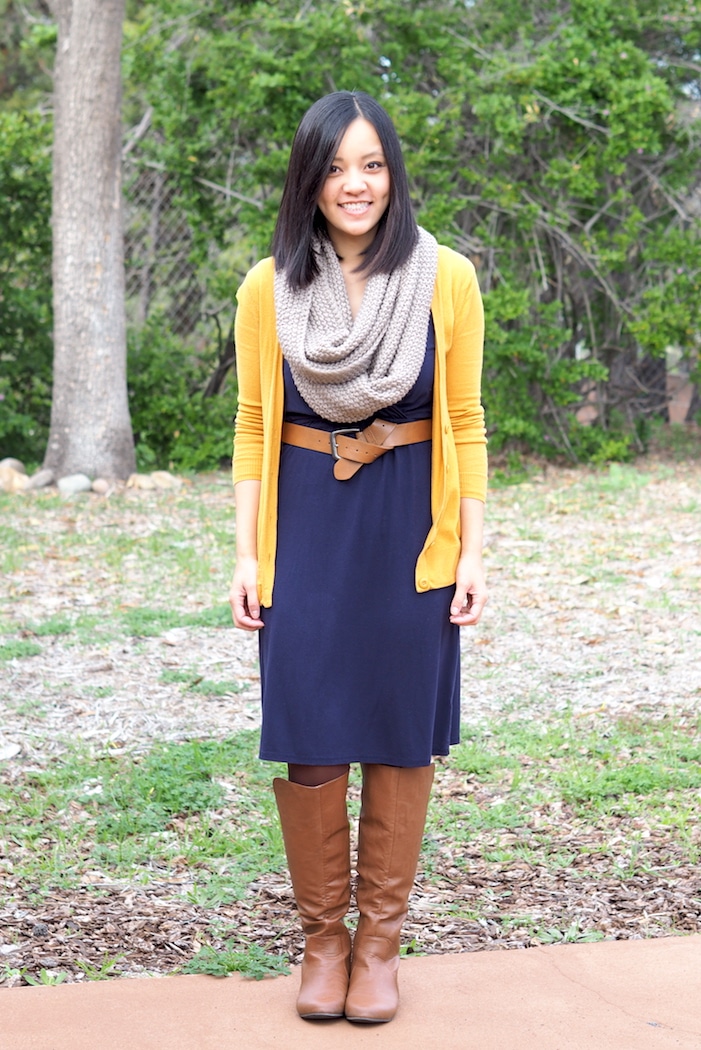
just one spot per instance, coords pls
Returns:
(423, 582)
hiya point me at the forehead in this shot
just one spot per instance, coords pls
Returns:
(359, 139)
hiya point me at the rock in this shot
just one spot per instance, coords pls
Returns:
(162, 479)
(141, 481)
(16, 464)
(41, 479)
(12, 480)
(177, 636)
(9, 750)
(40, 929)
(101, 486)
(74, 483)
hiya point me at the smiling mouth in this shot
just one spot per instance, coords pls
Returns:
(356, 207)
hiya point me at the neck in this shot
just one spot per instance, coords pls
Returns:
(351, 250)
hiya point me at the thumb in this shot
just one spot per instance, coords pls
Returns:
(462, 600)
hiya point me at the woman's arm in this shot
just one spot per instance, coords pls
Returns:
(243, 595)
(464, 380)
(470, 595)
(464, 374)
(248, 458)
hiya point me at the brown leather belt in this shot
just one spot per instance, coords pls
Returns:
(350, 447)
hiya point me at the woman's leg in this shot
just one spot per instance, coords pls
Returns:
(315, 829)
(392, 818)
(314, 776)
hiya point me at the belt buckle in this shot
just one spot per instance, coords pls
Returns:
(334, 435)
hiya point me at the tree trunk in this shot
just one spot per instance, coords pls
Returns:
(90, 425)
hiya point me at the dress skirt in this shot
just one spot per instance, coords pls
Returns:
(356, 665)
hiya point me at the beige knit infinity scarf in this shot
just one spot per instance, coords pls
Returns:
(348, 370)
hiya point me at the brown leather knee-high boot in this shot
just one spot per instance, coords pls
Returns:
(317, 842)
(392, 818)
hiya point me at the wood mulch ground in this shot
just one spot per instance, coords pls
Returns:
(595, 609)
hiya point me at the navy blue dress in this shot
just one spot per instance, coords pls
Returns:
(356, 666)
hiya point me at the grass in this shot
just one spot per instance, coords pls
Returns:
(527, 793)
(571, 799)
(206, 803)
(564, 797)
(18, 649)
(512, 792)
(193, 682)
(678, 441)
(254, 963)
(86, 628)
(146, 571)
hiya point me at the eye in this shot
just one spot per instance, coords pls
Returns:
(375, 165)
(333, 170)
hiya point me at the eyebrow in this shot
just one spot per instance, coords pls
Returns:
(366, 156)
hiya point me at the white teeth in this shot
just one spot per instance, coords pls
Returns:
(356, 207)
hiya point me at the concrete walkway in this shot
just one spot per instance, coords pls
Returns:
(618, 995)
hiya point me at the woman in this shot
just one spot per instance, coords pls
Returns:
(360, 476)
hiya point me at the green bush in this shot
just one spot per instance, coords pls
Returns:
(531, 380)
(175, 425)
(25, 284)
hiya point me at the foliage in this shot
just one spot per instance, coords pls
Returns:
(25, 284)
(45, 977)
(585, 202)
(171, 780)
(134, 813)
(254, 962)
(174, 423)
(24, 27)
(556, 144)
(106, 969)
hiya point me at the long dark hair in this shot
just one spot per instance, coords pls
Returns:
(314, 146)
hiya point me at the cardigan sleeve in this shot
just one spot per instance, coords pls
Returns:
(464, 379)
(248, 434)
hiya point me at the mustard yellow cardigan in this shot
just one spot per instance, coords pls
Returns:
(459, 457)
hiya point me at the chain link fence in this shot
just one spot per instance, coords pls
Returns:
(158, 244)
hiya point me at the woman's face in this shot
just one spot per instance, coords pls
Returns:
(356, 192)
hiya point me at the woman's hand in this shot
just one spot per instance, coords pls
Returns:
(243, 595)
(470, 595)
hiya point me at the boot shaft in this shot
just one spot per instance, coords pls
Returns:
(316, 833)
(392, 819)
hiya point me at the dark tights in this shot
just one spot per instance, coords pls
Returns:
(314, 776)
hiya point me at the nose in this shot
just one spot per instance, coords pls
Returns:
(355, 181)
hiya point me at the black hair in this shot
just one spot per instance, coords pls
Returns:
(314, 146)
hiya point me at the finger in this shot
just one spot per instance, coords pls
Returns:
(459, 601)
(243, 616)
(247, 623)
(252, 604)
(470, 612)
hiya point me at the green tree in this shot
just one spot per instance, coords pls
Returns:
(553, 143)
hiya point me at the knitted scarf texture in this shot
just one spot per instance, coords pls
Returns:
(348, 370)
